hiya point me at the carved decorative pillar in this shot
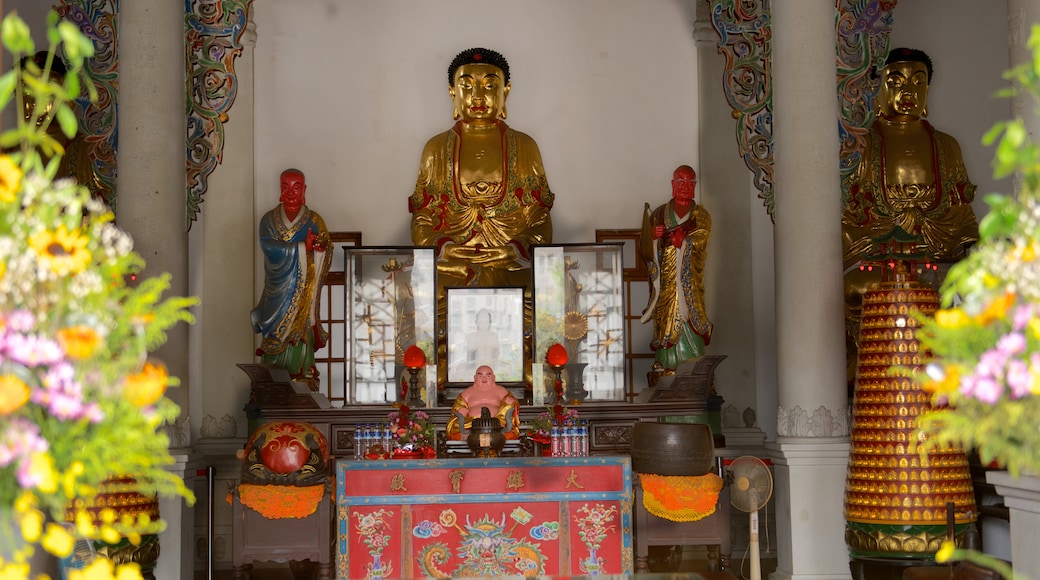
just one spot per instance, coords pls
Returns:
(812, 444)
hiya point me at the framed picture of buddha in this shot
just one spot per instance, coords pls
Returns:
(485, 326)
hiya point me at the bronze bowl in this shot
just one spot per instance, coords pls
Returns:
(672, 448)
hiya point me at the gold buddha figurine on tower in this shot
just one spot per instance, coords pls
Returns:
(910, 197)
(481, 198)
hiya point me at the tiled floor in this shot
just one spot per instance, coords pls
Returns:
(282, 572)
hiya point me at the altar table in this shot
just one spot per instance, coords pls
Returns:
(484, 517)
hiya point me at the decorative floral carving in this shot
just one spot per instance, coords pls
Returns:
(213, 39)
(824, 422)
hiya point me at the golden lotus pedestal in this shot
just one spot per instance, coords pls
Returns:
(895, 500)
(119, 494)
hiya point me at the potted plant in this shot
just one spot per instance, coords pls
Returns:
(413, 434)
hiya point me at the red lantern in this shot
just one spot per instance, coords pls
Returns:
(556, 356)
(414, 357)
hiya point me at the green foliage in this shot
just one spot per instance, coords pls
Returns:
(986, 339)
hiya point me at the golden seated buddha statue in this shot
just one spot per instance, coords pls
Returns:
(910, 196)
(481, 198)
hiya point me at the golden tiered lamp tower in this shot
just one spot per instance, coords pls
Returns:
(895, 500)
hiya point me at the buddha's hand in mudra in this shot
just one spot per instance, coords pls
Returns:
(478, 254)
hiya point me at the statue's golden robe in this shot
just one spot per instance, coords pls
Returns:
(940, 217)
(484, 238)
(676, 306)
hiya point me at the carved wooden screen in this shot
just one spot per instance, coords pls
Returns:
(331, 359)
(638, 356)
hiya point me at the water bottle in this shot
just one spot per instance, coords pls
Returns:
(366, 440)
(554, 437)
(357, 442)
(568, 439)
(583, 435)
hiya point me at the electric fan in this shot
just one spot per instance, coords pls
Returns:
(750, 490)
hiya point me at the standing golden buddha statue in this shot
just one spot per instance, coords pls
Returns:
(910, 197)
(481, 198)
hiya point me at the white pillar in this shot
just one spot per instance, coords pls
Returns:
(722, 187)
(151, 202)
(151, 194)
(812, 425)
(1022, 496)
(1022, 15)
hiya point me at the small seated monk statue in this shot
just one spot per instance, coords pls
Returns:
(910, 197)
(485, 393)
(481, 198)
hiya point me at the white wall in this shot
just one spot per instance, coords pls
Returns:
(967, 42)
(350, 91)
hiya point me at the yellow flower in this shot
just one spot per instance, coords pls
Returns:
(68, 479)
(78, 342)
(1034, 380)
(945, 552)
(951, 318)
(1034, 327)
(41, 468)
(13, 571)
(110, 535)
(57, 540)
(32, 525)
(62, 251)
(13, 394)
(128, 571)
(949, 382)
(25, 502)
(107, 515)
(997, 309)
(85, 524)
(10, 179)
(1029, 251)
(146, 387)
(100, 569)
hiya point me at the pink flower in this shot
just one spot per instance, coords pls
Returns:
(30, 350)
(1018, 378)
(1013, 343)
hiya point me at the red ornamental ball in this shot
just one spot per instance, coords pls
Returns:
(556, 355)
(414, 357)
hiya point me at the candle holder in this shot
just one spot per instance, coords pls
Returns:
(556, 358)
(485, 438)
(414, 360)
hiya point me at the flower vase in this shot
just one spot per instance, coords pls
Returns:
(399, 454)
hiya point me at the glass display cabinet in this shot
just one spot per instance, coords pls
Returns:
(579, 303)
(390, 305)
